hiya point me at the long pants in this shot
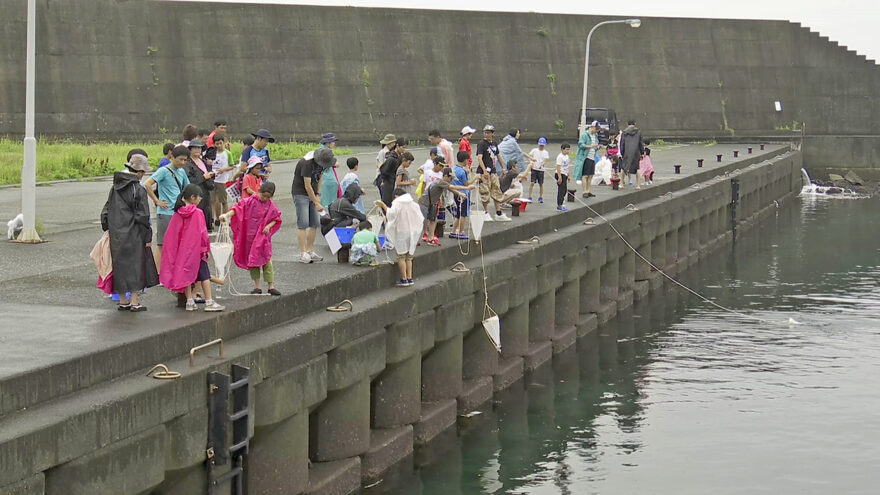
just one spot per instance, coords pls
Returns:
(388, 191)
(561, 190)
(268, 273)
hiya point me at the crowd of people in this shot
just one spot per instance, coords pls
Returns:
(199, 186)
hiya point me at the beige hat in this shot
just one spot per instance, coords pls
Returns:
(139, 163)
(388, 139)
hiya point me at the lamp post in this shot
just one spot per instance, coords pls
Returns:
(634, 23)
(29, 166)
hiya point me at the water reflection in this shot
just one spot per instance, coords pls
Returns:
(674, 396)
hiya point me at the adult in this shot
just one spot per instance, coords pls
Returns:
(388, 170)
(511, 152)
(388, 143)
(330, 189)
(444, 146)
(585, 160)
(464, 144)
(190, 132)
(126, 217)
(343, 211)
(260, 148)
(202, 175)
(632, 148)
(306, 181)
(220, 127)
(489, 166)
(170, 180)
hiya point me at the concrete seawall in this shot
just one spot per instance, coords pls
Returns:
(338, 398)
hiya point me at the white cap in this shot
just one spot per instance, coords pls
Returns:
(594, 123)
(467, 130)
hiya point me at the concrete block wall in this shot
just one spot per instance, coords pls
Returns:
(339, 398)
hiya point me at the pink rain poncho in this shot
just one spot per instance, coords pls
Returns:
(646, 168)
(185, 245)
(405, 222)
(251, 247)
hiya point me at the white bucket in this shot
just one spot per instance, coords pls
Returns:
(376, 221)
(221, 252)
(477, 219)
(492, 325)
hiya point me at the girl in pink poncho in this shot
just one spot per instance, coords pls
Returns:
(185, 251)
(646, 167)
(254, 220)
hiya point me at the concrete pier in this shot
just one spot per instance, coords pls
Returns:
(339, 398)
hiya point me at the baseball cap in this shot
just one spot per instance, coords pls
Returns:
(542, 141)
(594, 123)
(434, 151)
(489, 127)
(467, 130)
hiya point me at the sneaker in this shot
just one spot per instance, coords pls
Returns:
(424, 236)
(305, 258)
(488, 217)
(585, 195)
(214, 307)
(541, 200)
(561, 208)
(190, 306)
(274, 292)
(374, 263)
(315, 256)
(402, 283)
(410, 282)
(434, 242)
(530, 198)
(463, 236)
(257, 291)
(502, 218)
(591, 195)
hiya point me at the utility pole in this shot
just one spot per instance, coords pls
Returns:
(29, 167)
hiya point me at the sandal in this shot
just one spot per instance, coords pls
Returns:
(123, 307)
(274, 292)
(257, 291)
(136, 308)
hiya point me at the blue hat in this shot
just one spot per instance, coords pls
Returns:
(263, 133)
(542, 141)
(329, 138)
(434, 151)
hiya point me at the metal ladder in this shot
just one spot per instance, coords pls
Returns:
(220, 386)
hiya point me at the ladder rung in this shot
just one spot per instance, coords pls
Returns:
(240, 414)
(223, 478)
(237, 385)
(239, 446)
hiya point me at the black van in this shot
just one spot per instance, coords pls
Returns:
(608, 123)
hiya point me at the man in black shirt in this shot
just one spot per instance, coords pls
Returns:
(489, 165)
(388, 171)
(306, 180)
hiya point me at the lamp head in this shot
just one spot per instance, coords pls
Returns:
(634, 23)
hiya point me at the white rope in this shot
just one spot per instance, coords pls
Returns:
(225, 235)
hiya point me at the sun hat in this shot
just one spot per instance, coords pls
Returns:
(324, 157)
(263, 133)
(195, 143)
(139, 163)
(467, 130)
(329, 138)
(254, 161)
(388, 139)
(542, 141)
(489, 127)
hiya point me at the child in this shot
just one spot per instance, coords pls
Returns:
(540, 156)
(223, 168)
(462, 204)
(254, 221)
(185, 251)
(403, 179)
(432, 202)
(166, 154)
(352, 178)
(365, 246)
(252, 180)
(647, 167)
(563, 163)
(402, 230)
(247, 144)
(427, 168)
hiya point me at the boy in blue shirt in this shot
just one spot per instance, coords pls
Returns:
(166, 155)
(462, 204)
(171, 181)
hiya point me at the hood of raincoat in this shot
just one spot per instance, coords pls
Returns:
(630, 130)
(187, 210)
(353, 192)
(121, 180)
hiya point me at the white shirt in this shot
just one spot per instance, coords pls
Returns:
(563, 162)
(426, 169)
(222, 161)
(541, 157)
(380, 158)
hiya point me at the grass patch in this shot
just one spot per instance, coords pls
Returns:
(60, 160)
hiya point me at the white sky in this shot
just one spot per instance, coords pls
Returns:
(850, 23)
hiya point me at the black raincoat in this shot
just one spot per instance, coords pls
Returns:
(126, 215)
(342, 210)
(197, 177)
(632, 147)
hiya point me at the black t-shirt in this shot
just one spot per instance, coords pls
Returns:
(507, 179)
(486, 152)
(306, 168)
(388, 170)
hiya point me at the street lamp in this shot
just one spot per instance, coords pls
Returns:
(634, 23)
(29, 166)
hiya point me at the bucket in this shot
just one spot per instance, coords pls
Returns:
(492, 326)
(477, 219)
(570, 195)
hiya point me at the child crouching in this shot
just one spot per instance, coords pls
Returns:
(185, 251)
(254, 220)
(365, 246)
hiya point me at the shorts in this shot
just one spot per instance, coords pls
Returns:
(204, 272)
(219, 195)
(162, 222)
(306, 213)
(462, 207)
(491, 189)
(404, 256)
(430, 212)
(538, 177)
(589, 167)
